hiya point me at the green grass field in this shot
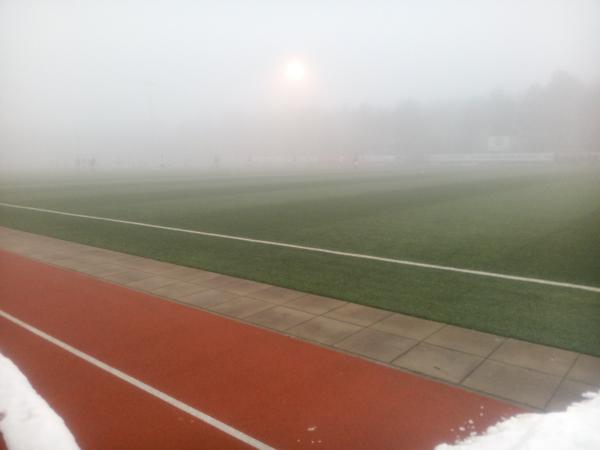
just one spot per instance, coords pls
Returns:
(539, 222)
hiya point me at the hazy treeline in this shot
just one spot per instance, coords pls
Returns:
(560, 115)
(557, 116)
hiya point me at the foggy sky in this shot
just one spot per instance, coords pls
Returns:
(79, 67)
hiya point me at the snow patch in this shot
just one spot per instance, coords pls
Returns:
(577, 428)
(26, 421)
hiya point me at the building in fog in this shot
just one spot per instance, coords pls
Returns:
(500, 143)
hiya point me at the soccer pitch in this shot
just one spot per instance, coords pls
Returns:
(529, 222)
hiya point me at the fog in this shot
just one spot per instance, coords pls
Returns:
(86, 84)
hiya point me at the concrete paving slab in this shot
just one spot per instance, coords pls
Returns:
(545, 359)
(324, 330)
(151, 283)
(154, 267)
(220, 282)
(314, 304)
(203, 276)
(177, 290)
(586, 370)
(240, 307)
(208, 297)
(279, 318)
(102, 269)
(408, 326)
(568, 392)
(182, 273)
(126, 276)
(443, 363)
(358, 314)
(72, 262)
(377, 345)
(516, 384)
(277, 295)
(464, 340)
(244, 287)
(131, 261)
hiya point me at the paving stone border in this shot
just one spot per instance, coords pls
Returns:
(531, 375)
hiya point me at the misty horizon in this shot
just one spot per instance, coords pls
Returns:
(137, 80)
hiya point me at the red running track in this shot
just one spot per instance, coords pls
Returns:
(278, 390)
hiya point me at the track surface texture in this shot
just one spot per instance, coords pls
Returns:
(283, 392)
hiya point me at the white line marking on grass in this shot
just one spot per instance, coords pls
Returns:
(321, 250)
(227, 429)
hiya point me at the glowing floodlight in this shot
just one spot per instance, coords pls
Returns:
(295, 71)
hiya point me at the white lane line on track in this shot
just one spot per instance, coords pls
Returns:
(227, 429)
(319, 250)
